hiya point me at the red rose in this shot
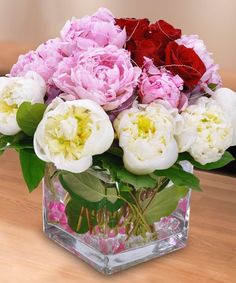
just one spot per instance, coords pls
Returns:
(161, 34)
(135, 28)
(185, 62)
(143, 48)
(164, 32)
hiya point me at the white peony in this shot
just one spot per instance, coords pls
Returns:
(146, 135)
(207, 131)
(226, 98)
(13, 92)
(71, 132)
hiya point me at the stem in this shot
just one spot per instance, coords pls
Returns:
(134, 208)
(80, 219)
(66, 198)
(133, 230)
(155, 192)
(89, 220)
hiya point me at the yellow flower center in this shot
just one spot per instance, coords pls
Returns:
(208, 120)
(7, 105)
(67, 134)
(145, 126)
(211, 118)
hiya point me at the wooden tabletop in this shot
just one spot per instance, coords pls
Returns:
(27, 256)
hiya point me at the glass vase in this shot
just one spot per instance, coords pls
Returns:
(107, 238)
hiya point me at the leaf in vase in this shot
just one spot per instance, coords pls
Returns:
(84, 185)
(76, 216)
(111, 195)
(90, 191)
(163, 203)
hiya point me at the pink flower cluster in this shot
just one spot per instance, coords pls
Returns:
(56, 213)
(77, 36)
(98, 30)
(161, 84)
(93, 59)
(104, 75)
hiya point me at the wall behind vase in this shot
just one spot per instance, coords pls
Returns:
(34, 21)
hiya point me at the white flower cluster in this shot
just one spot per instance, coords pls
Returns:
(151, 136)
(15, 91)
(71, 132)
(207, 131)
(146, 135)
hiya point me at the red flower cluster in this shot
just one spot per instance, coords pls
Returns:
(157, 41)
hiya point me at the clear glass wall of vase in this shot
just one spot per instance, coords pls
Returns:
(113, 228)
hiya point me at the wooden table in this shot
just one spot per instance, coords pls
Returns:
(27, 256)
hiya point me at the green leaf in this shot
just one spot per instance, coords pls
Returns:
(4, 141)
(75, 214)
(117, 151)
(124, 187)
(111, 195)
(225, 159)
(84, 185)
(109, 162)
(113, 221)
(138, 181)
(180, 177)
(90, 191)
(212, 86)
(29, 115)
(163, 204)
(17, 141)
(32, 167)
(116, 168)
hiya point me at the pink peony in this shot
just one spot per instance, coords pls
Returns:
(98, 30)
(104, 75)
(31, 61)
(44, 61)
(211, 75)
(161, 84)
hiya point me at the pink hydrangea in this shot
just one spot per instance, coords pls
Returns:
(104, 75)
(161, 84)
(98, 30)
(211, 75)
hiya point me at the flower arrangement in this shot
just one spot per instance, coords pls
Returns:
(121, 102)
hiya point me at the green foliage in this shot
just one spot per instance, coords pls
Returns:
(180, 177)
(116, 168)
(163, 203)
(32, 168)
(212, 86)
(29, 115)
(78, 220)
(138, 181)
(117, 151)
(90, 191)
(225, 159)
(18, 141)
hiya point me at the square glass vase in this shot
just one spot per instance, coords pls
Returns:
(111, 240)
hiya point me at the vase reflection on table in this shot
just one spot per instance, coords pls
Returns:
(112, 240)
